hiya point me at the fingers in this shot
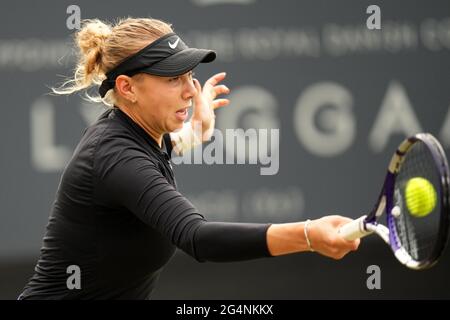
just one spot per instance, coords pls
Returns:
(221, 89)
(351, 245)
(356, 244)
(341, 251)
(220, 103)
(330, 243)
(213, 90)
(215, 79)
(338, 221)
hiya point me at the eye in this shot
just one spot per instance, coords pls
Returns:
(174, 79)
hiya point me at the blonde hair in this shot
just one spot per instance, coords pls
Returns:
(103, 46)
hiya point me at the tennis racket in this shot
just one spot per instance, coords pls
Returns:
(417, 240)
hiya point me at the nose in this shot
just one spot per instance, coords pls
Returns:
(189, 90)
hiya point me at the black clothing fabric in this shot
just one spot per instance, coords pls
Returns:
(119, 217)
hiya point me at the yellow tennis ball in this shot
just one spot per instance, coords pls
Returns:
(420, 197)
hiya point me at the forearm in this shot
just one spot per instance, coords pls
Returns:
(227, 241)
(286, 238)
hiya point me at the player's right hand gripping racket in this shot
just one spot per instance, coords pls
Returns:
(415, 198)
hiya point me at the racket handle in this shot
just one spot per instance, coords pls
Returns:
(354, 229)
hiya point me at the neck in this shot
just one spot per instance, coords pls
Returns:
(138, 120)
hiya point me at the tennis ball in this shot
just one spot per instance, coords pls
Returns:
(420, 197)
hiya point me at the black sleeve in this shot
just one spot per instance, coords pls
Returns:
(133, 180)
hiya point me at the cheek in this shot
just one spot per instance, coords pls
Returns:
(167, 102)
(149, 101)
(160, 103)
(158, 109)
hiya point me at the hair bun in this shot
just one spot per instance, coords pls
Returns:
(92, 36)
(102, 45)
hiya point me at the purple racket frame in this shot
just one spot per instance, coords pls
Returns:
(388, 194)
(366, 225)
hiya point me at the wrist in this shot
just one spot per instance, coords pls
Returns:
(306, 229)
(186, 138)
(203, 129)
(286, 238)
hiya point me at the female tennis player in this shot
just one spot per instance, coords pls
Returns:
(118, 215)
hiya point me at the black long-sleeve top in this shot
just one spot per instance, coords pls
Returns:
(118, 217)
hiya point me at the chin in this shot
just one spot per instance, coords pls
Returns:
(176, 126)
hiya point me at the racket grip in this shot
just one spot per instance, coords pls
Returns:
(354, 229)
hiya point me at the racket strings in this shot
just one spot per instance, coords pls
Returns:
(417, 233)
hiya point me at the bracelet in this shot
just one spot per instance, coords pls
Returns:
(305, 230)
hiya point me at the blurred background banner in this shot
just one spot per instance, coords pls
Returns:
(342, 93)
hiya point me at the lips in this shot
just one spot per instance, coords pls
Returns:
(182, 114)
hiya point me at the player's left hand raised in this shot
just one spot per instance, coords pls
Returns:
(205, 103)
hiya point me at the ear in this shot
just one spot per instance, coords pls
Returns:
(124, 87)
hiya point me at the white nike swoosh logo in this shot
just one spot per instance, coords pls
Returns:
(174, 45)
